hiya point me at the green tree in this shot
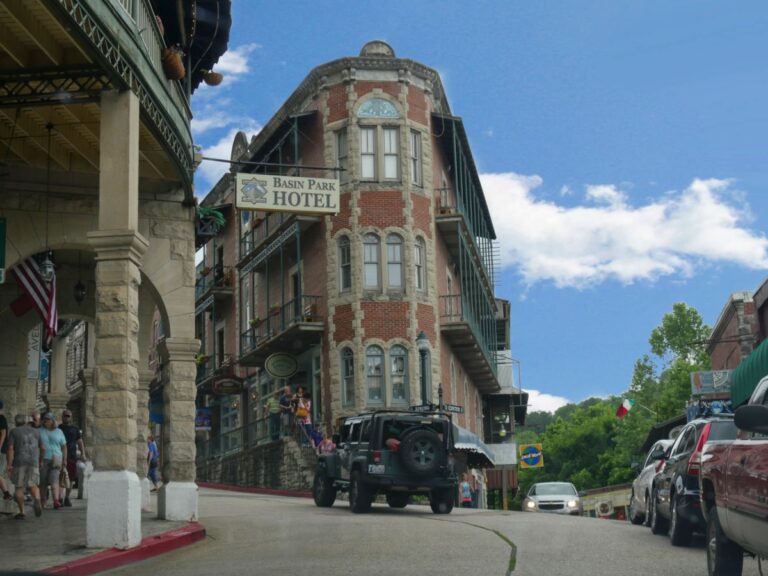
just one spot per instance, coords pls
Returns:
(682, 334)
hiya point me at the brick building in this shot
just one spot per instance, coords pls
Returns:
(409, 256)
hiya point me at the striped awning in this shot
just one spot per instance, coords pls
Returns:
(748, 374)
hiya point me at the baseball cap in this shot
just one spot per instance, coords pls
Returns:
(48, 416)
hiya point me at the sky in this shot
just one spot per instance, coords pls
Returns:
(621, 146)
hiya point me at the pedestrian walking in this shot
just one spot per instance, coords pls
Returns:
(34, 419)
(55, 455)
(466, 492)
(24, 450)
(153, 457)
(75, 445)
(273, 412)
(316, 436)
(3, 454)
(326, 445)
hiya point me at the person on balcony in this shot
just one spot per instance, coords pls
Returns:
(304, 416)
(286, 409)
(273, 412)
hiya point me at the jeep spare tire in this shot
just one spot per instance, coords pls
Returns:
(421, 451)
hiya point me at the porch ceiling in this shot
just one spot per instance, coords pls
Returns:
(48, 76)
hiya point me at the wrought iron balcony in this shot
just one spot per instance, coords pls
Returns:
(210, 366)
(217, 281)
(297, 322)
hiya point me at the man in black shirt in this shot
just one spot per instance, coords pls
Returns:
(75, 443)
(3, 450)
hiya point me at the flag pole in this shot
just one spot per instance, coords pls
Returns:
(646, 408)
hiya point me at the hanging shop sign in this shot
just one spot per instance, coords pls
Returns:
(298, 195)
(711, 382)
(281, 365)
(531, 456)
(227, 386)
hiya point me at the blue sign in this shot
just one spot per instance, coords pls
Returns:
(531, 456)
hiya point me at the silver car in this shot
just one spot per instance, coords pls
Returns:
(641, 488)
(554, 497)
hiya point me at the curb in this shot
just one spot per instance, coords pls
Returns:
(249, 490)
(113, 558)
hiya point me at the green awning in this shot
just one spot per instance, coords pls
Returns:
(748, 374)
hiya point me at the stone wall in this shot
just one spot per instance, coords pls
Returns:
(282, 465)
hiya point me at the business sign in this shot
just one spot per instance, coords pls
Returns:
(711, 382)
(227, 386)
(453, 408)
(531, 456)
(273, 193)
(423, 408)
(33, 352)
(281, 365)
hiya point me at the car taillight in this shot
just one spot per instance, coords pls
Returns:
(694, 462)
(376, 457)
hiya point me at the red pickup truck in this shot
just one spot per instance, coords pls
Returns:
(734, 489)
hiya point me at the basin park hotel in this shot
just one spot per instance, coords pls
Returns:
(377, 302)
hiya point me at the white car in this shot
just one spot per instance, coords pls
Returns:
(639, 502)
(553, 497)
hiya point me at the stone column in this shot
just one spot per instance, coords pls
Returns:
(142, 422)
(58, 395)
(9, 379)
(177, 499)
(114, 504)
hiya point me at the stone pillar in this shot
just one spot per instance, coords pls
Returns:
(9, 381)
(177, 499)
(142, 422)
(114, 504)
(58, 395)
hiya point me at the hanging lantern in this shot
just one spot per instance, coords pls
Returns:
(46, 269)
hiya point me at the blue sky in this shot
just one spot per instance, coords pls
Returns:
(621, 146)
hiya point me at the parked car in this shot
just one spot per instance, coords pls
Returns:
(734, 490)
(554, 497)
(640, 500)
(394, 453)
(675, 506)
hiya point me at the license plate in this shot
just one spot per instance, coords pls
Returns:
(375, 468)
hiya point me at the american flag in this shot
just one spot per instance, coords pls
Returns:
(38, 294)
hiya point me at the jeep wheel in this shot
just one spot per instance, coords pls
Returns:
(359, 494)
(441, 501)
(323, 491)
(723, 556)
(397, 499)
(679, 531)
(658, 524)
(421, 452)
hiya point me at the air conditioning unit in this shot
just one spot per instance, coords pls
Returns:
(604, 508)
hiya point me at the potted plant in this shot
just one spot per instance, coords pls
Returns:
(254, 322)
(173, 63)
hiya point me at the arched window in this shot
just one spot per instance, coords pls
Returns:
(345, 265)
(398, 374)
(347, 377)
(374, 374)
(371, 262)
(394, 262)
(420, 261)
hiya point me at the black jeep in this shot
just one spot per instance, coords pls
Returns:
(390, 452)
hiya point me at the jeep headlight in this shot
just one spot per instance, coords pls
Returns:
(530, 504)
(572, 503)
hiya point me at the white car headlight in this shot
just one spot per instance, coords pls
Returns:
(572, 503)
(530, 504)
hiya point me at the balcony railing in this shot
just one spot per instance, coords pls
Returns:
(254, 434)
(217, 277)
(280, 318)
(208, 366)
(261, 229)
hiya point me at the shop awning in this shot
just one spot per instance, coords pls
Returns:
(748, 374)
(478, 454)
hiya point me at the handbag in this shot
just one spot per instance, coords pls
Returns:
(64, 479)
(301, 412)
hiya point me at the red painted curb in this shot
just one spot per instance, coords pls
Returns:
(149, 547)
(269, 491)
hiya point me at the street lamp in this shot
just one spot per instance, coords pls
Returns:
(422, 342)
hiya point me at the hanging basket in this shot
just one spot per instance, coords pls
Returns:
(173, 65)
(212, 78)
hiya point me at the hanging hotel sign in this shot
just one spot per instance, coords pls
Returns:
(281, 365)
(227, 386)
(298, 195)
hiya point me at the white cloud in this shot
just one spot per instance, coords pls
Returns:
(542, 402)
(610, 239)
(235, 60)
(209, 172)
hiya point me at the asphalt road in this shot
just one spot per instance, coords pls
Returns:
(254, 534)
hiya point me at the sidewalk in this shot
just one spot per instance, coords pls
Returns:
(58, 538)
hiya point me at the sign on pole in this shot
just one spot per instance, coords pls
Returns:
(531, 456)
(298, 195)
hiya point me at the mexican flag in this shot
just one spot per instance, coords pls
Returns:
(624, 407)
